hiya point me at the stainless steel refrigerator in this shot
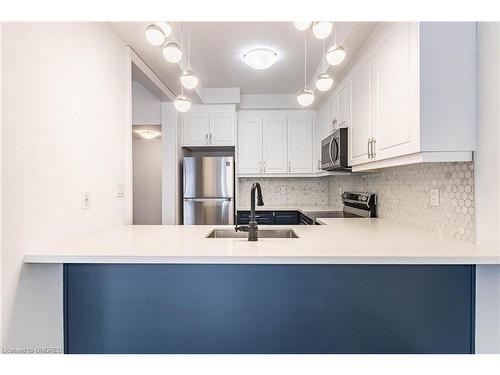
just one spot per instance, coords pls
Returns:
(208, 196)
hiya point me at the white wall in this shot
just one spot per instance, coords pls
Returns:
(147, 172)
(487, 166)
(146, 108)
(64, 125)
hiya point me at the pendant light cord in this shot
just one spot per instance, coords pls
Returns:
(324, 57)
(305, 59)
(183, 55)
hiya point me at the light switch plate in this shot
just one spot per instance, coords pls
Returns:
(435, 197)
(86, 200)
(283, 190)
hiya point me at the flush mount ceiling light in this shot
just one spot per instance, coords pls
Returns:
(322, 29)
(324, 82)
(147, 133)
(158, 32)
(172, 52)
(260, 58)
(189, 79)
(182, 103)
(305, 97)
(302, 25)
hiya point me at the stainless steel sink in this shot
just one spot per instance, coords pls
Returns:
(263, 233)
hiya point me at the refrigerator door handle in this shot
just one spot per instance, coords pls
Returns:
(207, 199)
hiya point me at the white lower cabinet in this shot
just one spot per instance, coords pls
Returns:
(300, 157)
(276, 143)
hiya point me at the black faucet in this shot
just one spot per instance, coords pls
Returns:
(252, 228)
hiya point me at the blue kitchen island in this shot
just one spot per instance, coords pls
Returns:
(268, 308)
(176, 289)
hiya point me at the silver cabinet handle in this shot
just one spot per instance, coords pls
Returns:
(368, 148)
(264, 163)
(289, 167)
(373, 147)
(206, 138)
(260, 166)
(210, 139)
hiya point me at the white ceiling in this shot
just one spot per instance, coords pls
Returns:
(217, 49)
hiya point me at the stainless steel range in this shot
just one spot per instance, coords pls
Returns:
(356, 205)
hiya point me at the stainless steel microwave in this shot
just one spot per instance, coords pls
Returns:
(334, 151)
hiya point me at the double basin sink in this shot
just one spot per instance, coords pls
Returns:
(263, 233)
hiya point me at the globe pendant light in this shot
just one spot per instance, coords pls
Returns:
(302, 26)
(322, 29)
(182, 102)
(158, 32)
(189, 78)
(324, 82)
(172, 52)
(305, 97)
(336, 53)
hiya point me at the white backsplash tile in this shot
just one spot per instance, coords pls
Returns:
(403, 194)
(299, 191)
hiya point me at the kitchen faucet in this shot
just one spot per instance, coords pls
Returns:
(252, 228)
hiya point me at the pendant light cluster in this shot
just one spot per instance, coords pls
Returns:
(334, 56)
(157, 34)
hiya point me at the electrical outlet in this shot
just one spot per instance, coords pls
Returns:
(283, 190)
(120, 190)
(86, 201)
(434, 197)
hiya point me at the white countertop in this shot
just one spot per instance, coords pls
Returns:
(341, 241)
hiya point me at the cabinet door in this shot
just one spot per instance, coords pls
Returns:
(332, 115)
(222, 129)
(299, 145)
(342, 108)
(274, 145)
(195, 128)
(249, 146)
(396, 87)
(360, 116)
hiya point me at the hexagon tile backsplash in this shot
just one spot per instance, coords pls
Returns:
(403, 194)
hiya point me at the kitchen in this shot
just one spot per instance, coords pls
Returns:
(367, 198)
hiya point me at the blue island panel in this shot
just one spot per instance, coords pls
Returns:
(215, 308)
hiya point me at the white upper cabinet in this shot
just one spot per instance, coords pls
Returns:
(209, 125)
(195, 129)
(275, 142)
(300, 145)
(396, 74)
(361, 106)
(274, 145)
(410, 96)
(249, 159)
(342, 108)
(222, 129)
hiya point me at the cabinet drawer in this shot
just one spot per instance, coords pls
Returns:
(286, 218)
(262, 217)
